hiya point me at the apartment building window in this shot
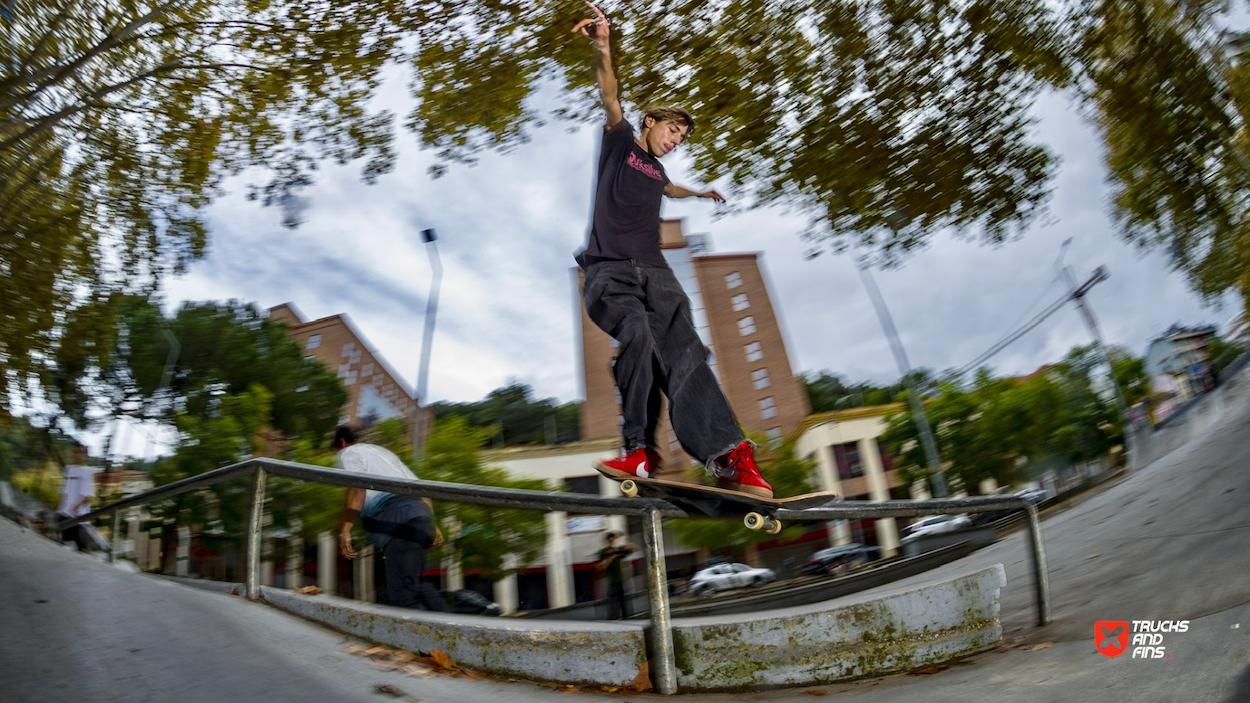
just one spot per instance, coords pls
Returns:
(733, 280)
(313, 342)
(746, 325)
(846, 456)
(887, 459)
(760, 378)
(768, 408)
(755, 351)
(310, 358)
(740, 302)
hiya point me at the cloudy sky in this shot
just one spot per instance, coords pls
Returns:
(509, 226)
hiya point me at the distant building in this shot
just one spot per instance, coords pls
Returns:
(374, 391)
(734, 316)
(1178, 364)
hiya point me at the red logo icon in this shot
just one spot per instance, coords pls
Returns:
(1111, 637)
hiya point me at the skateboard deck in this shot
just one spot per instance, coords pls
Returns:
(757, 513)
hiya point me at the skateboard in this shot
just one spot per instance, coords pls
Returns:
(757, 513)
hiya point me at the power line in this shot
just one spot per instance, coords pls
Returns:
(1097, 276)
(1001, 344)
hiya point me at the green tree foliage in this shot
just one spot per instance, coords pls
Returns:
(788, 474)
(27, 444)
(829, 391)
(43, 483)
(119, 356)
(1006, 429)
(483, 537)
(513, 417)
(1221, 352)
(120, 120)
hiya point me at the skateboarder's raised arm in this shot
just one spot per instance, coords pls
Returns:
(598, 32)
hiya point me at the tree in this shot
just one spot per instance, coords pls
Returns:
(1172, 112)
(486, 539)
(117, 357)
(120, 121)
(788, 474)
(514, 417)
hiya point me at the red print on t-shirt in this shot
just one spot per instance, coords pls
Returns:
(640, 165)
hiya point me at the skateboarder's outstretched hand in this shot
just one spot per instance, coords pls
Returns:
(596, 29)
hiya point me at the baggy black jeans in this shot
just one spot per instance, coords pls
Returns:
(618, 605)
(645, 310)
(404, 558)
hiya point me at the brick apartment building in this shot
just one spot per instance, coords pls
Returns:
(734, 316)
(374, 391)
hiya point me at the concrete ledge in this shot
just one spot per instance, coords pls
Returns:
(839, 640)
(582, 653)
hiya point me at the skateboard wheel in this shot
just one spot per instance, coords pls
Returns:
(629, 488)
(773, 527)
(753, 521)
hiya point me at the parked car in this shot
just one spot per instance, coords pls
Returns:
(471, 602)
(726, 577)
(939, 524)
(1033, 495)
(828, 561)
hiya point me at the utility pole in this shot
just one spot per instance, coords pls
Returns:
(431, 310)
(913, 394)
(1087, 314)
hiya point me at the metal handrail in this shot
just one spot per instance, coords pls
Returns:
(652, 511)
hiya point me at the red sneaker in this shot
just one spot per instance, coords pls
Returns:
(640, 463)
(746, 475)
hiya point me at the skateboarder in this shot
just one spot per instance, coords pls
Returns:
(401, 527)
(609, 565)
(631, 294)
(77, 490)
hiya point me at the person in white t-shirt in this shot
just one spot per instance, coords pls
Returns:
(77, 490)
(401, 527)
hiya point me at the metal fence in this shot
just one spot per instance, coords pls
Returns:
(652, 511)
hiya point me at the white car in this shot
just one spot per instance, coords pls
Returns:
(1033, 495)
(726, 577)
(936, 525)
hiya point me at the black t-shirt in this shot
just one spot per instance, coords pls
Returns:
(626, 221)
(613, 571)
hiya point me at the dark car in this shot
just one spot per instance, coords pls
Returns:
(839, 558)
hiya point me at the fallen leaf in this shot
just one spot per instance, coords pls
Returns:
(548, 684)
(641, 682)
(403, 656)
(376, 652)
(570, 688)
(387, 666)
(818, 692)
(442, 660)
(418, 670)
(310, 590)
(356, 649)
(928, 670)
(609, 689)
(475, 674)
(1039, 647)
(1095, 555)
(234, 592)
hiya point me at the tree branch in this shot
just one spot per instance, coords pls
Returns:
(59, 75)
